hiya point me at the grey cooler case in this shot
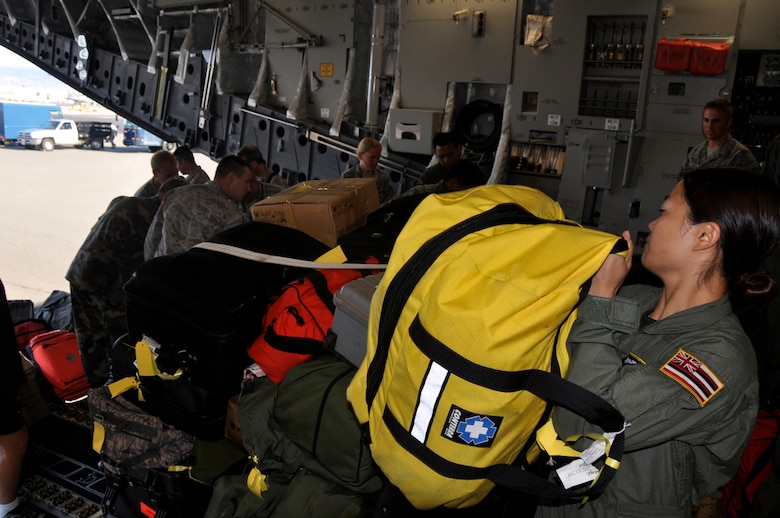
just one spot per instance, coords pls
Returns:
(350, 321)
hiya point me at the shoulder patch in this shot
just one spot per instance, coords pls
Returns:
(693, 375)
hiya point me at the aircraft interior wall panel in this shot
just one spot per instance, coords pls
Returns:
(118, 84)
(327, 163)
(327, 69)
(26, 37)
(212, 136)
(433, 49)
(100, 64)
(285, 67)
(700, 18)
(572, 189)
(682, 116)
(331, 26)
(288, 151)
(762, 20)
(117, 90)
(236, 72)
(661, 156)
(546, 85)
(234, 126)
(142, 92)
(553, 78)
(63, 54)
(183, 102)
(256, 130)
(46, 49)
(5, 28)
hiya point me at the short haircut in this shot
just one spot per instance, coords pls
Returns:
(171, 184)
(367, 144)
(184, 153)
(468, 174)
(159, 158)
(445, 139)
(720, 104)
(230, 164)
(250, 153)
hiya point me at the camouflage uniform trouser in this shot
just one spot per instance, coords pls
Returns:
(99, 319)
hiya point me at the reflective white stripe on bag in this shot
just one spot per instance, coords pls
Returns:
(429, 395)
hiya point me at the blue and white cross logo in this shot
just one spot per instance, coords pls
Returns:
(476, 430)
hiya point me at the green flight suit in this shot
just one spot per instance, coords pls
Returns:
(679, 448)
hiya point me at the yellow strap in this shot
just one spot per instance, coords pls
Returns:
(98, 437)
(125, 384)
(256, 482)
(547, 439)
(334, 255)
(178, 469)
(122, 386)
(147, 366)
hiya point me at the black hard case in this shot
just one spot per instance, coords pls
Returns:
(377, 237)
(205, 308)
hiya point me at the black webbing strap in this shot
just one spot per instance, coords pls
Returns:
(505, 475)
(547, 386)
(296, 344)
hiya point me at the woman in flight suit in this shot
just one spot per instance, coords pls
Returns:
(675, 360)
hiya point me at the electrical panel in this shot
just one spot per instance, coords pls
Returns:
(612, 66)
(756, 100)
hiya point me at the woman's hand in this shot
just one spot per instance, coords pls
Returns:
(613, 272)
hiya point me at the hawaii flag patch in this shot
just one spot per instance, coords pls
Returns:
(692, 374)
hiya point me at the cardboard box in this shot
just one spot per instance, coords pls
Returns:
(30, 396)
(324, 209)
(232, 426)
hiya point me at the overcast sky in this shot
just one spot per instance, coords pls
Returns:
(9, 59)
(21, 80)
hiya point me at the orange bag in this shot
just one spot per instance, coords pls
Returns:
(673, 55)
(708, 58)
(297, 321)
(56, 355)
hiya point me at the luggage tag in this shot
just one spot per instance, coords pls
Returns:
(581, 470)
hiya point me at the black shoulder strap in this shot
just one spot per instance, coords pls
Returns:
(320, 283)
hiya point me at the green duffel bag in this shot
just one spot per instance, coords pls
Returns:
(306, 494)
(314, 497)
(306, 422)
(232, 499)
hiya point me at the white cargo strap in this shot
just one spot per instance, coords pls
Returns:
(285, 261)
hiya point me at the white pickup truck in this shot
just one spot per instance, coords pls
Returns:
(66, 132)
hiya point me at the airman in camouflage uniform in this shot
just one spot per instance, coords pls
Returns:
(106, 260)
(194, 213)
(163, 168)
(720, 148)
(185, 161)
(368, 152)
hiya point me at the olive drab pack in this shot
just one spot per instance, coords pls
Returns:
(466, 345)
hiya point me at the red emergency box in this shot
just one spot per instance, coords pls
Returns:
(673, 55)
(708, 58)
